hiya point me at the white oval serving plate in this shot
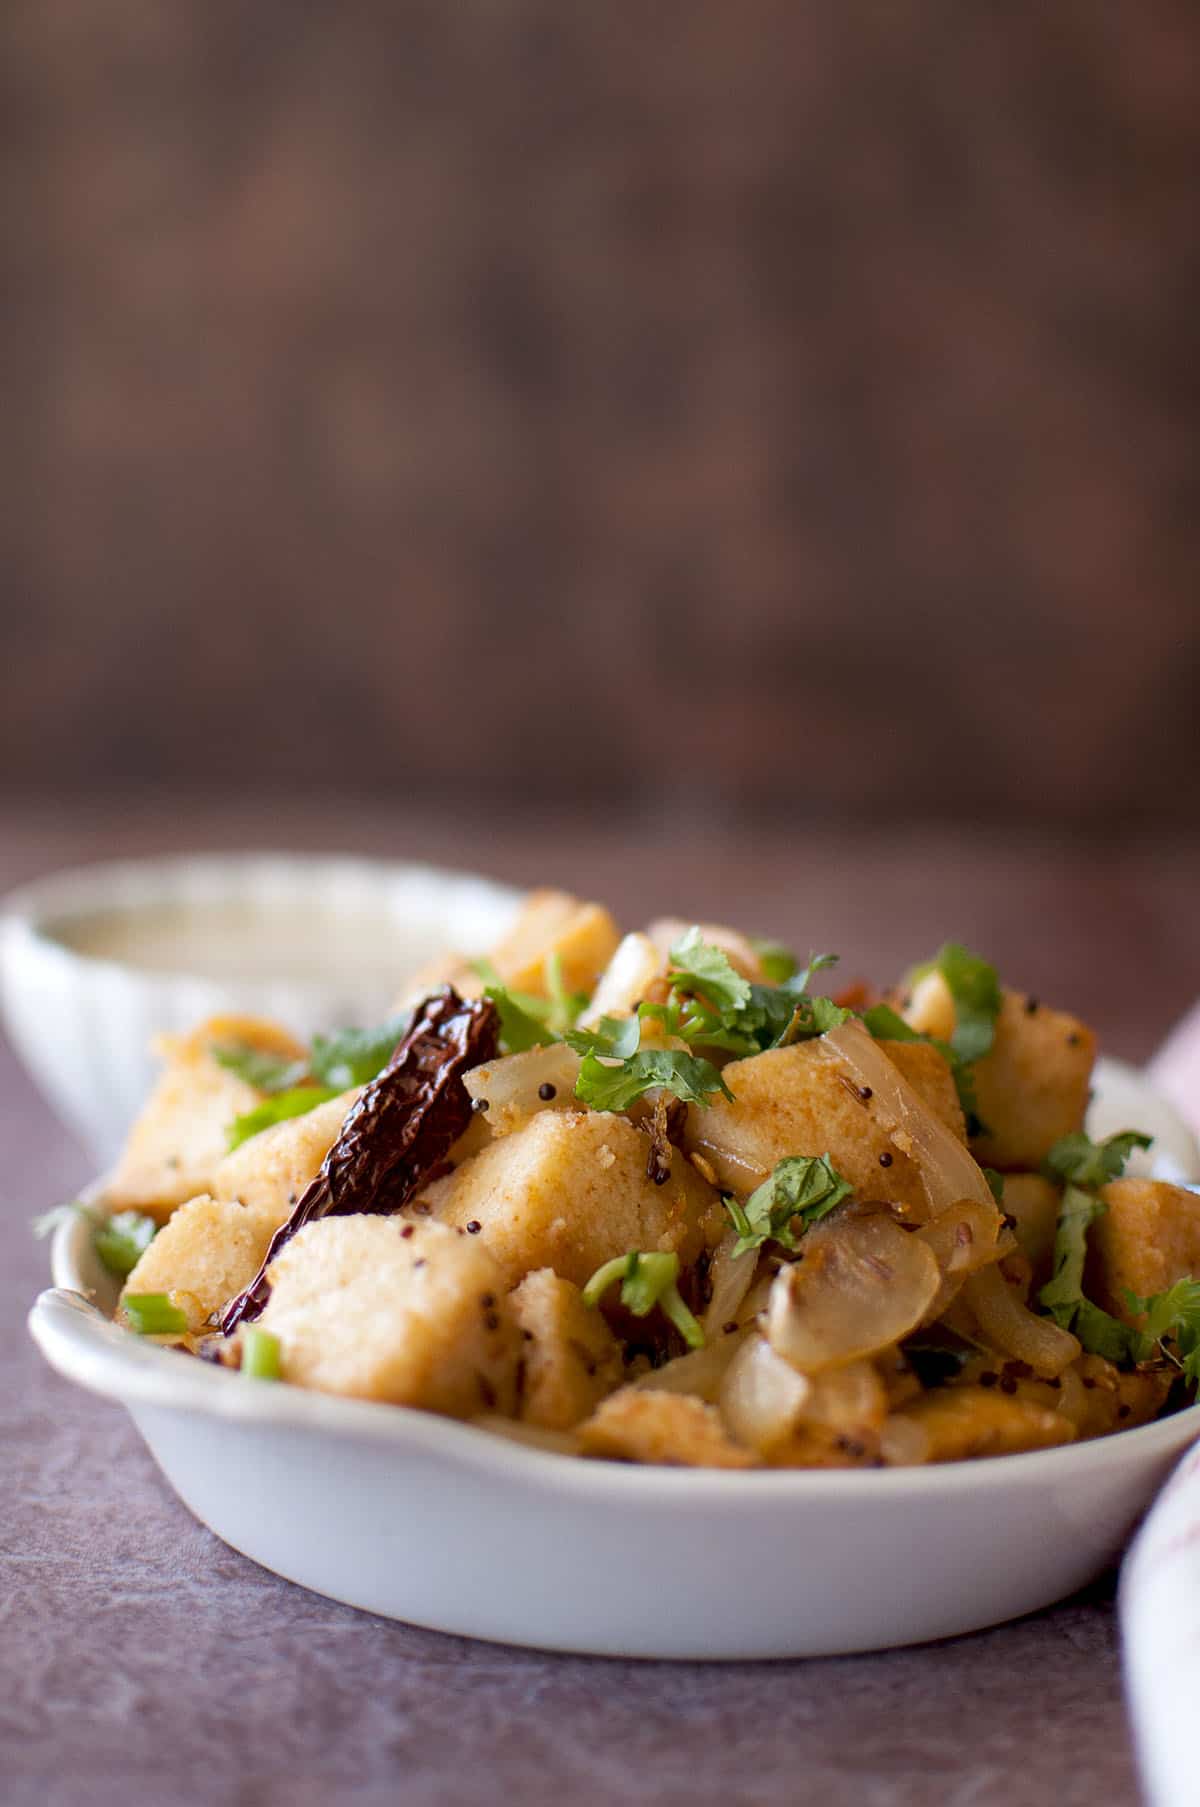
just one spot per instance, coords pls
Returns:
(437, 1523)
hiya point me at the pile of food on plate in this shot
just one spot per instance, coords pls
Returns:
(668, 1199)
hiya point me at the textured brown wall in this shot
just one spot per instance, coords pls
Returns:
(757, 406)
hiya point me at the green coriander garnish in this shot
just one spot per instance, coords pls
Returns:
(1175, 1314)
(279, 1109)
(152, 1314)
(803, 1188)
(260, 1354)
(647, 1281)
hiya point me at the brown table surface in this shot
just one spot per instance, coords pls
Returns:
(138, 1655)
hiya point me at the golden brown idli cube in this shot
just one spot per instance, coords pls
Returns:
(271, 1170)
(1032, 1087)
(571, 1357)
(413, 1314)
(1146, 1240)
(800, 1100)
(951, 1424)
(1034, 1202)
(582, 935)
(182, 1133)
(641, 1425)
(569, 1191)
(208, 1251)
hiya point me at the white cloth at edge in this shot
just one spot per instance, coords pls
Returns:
(1160, 1579)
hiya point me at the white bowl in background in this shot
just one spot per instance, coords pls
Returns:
(441, 1524)
(95, 962)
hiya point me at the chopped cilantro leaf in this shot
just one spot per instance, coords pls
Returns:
(973, 985)
(647, 1281)
(520, 1028)
(615, 1037)
(122, 1239)
(1175, 1314)
(354, 1057)
(265, 1071)
(278, 1109)
(615, 1088)
(565, 1006)
(698, 967)
(995, 1184)
(712, 1006)
(807, 1187)
(351, 1057)
(1082, 1162)
(1063, 1296)
(119, 1240)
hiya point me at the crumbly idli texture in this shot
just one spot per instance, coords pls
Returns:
(182, 1133)
(1031, 1089)
(571, 1358)
(1146, 1240)
(271, 1170)
(641, 1425)
(1034, 1201)
(413, 1314)
(210, 1250)
(797, 1100)
(569, 1192)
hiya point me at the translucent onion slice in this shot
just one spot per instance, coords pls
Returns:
(514, 1084)
(947, 1170)
(860, 1285)
(699, 1372)
(963, 1239)
(626, 980)
(903, 1443)
(851, 1401)
(731, 1276)
(1008, 1325)
(761, 1397)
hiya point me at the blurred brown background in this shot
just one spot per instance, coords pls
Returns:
(726, 412)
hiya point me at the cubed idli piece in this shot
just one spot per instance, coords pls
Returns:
(803, 1101)
(570, 1191)
(1147, 1238)
(379, 1308)
(571, 1358)
(673, 1429)
(269, 1171)
(183, 1131)
(209, 1250)
(1034, 1202)
(1031, 1088)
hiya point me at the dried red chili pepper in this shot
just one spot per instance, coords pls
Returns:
(398, 1130)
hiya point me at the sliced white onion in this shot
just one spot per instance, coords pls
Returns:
(1008, 1325)
(761, 1397)
(731, 1276)
(963, 1239)
(512, 1085)
(860, 1285)
(947, 1170)
(851, 1401)
(903, 1443)
(626, 980)
(699, 1372)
